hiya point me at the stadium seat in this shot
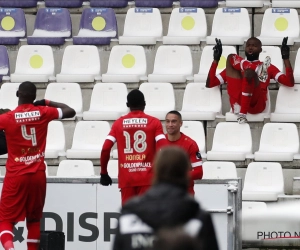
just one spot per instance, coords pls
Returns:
(68, 93)
(199, 3)
(34, 63)
(287, 107)
(109, 3)
(13, 26)
(52, 26)
(127, 64)
(46, 170)
(279, 23)
(64, 3)
(88, 139)
(142, 26)
(56, 140)
(154, 3)
(195, 130)
(278, 142)
(172, 64)
(97, 27)
(18, 3)
(245, 3)
(285, 4)
(4, 62)
(297, 67)
(113, 168)
(75, 168)
(219, 170)
(80, 63)
(231, 142)
(263, 182)
(8, 98)
(159, 97)
(186, 26)
(108, 102)
(201, 103)
(231, 25)
(207, 59)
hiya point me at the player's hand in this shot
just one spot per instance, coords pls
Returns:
(285, 50)
(40, 103)
(218, 50)
(105, 180)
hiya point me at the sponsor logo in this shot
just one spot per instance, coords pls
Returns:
(27, 116)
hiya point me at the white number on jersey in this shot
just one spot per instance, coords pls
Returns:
(31, 137)
(139, 144)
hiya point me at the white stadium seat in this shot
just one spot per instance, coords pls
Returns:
(113, 168)
(127, 63)
(142, 26)
(56, 141)
(88, 139)
(68, 93)
(263, 182)
(34, 63)
(75, 168)
(186, 26)
(297, 67)
(207, 59)
(219, 170)
(278, 142)
(201, 103)
(231, 25)
(245, 3)
(231, 142)
(108, 102)
(279, 23)
(287, 107)
(8, 98)
(80, 63)
(286, 3)
(172, 64)
(159, 97)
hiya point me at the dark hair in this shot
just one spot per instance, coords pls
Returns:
(256, 39)
(135, 99)
(175, 112)
(172, 165)
(27, 90)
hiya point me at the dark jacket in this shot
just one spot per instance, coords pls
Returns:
(3, 147)
(163, 205)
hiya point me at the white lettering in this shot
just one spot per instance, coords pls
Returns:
(24, 115)
(135, 121)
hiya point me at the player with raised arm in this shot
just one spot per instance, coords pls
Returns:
(24, 185)
(138, 136)
(173, 124)
(248, 79)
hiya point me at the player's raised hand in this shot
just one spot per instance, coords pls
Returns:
(285, 50)
(218, 50)
(105, 180)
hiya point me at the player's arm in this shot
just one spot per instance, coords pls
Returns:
(160, 137)
(67, 112)
(196, 161)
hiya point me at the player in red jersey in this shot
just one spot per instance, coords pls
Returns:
(248, 79)
(173, 123)
(24, 186)
(137, 135)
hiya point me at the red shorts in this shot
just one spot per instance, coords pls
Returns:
(23, 197)
(129, 192)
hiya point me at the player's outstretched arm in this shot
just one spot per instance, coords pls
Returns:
(67, 111)
(105, 179)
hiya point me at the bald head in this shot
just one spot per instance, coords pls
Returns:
(26, 92)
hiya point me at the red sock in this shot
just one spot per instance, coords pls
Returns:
(33, 237)
(6, 232)
(247, 91)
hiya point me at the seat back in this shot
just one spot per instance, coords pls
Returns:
(288, 100)
(200, 4)
(109, 4)
(18, 4)
(13, 23)
(64, 4)
(219, 170)
(297, 67)
(75, 168)
(154, 3)
(245, 3)
(113, 168)
(286, 3)
(8, 98)
(275, 54)
(4, 62)
(56, 139)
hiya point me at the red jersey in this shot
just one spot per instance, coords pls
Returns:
(26, 132)
(136, 135)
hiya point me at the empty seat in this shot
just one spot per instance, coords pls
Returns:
(56, 141)
(52, 26)
(199, 3)
(75, 168)
(142, 26)
(278, 142)
(279, 23)
(263, 182)
(231, 25)
(64, 4)
(13, 26)
(275, 54)
(186, 26)
(4, 62)
(231, 142)
(88, 139)
(108, 102)
(109, 3)
(80, 63)
(207, 59)
(159, 97)
(195, 130)
(127, 64)
(8, 98)
(154, 3)
(68, 93)
(285, 3)
(97, 27)
(201, 103)
(18, 3)
(297, 67)
(34, 63)
(219, 170)
(172, 64)
(245, 3)
(287, 107)
(113, 168)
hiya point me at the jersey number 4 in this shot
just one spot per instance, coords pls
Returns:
(31, 137)
(139, 144)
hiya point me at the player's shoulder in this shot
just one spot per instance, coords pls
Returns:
(272, 67)
(188, 140)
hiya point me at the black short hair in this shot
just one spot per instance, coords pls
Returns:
(135, 99)
(27, 88)
(256, 39)
(175, 112)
